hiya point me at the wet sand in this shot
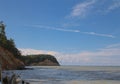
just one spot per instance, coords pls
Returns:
(77, 82)
(83, 68)
(94, 82)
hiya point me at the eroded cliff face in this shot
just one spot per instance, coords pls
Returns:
(8, 61)
(45, 63)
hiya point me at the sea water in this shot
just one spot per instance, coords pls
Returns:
(70, 74)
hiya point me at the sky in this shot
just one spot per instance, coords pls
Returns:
(76, 32)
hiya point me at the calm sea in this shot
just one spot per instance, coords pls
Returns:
(70, 74)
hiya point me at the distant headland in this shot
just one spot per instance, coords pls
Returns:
(11, 58)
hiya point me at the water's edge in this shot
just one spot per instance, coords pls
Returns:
(69, 74)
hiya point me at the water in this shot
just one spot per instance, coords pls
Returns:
(70, 75)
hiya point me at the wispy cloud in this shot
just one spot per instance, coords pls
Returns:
(29, 51)
(113, 6)
(82, 9)
(105, 56)
(114, 46)
(94, 7)
(70, 25)
(71, 30)
(97, 34)
(54, 28)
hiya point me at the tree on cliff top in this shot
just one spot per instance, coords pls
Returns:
(8, 43)
(3, 37)
(2, 28)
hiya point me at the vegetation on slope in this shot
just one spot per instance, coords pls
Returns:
(9, 54)
(42, 59)
(6, 43)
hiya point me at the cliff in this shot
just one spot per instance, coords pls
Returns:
(9, 54)
(40, 60)
(8, 60)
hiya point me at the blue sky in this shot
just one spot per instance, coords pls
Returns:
(87, 31)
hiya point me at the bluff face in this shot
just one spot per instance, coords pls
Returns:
(40, 60)
(8, 60)
(9, 54)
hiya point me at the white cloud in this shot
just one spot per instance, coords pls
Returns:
(101, 57)
(98, 34)
(66, 30)
(71, 30)
(70, 25)
(54, 28)
(82, 9)
(94, 7)
(114, 46)
(105, 56)
(103, 52)
(115, 5)
(29, 51)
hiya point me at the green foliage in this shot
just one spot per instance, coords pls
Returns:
(3, 38)
(29, 59)
(2, 28)
(8, 43)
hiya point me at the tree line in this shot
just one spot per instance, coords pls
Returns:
(6, 43)
(30, 59)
